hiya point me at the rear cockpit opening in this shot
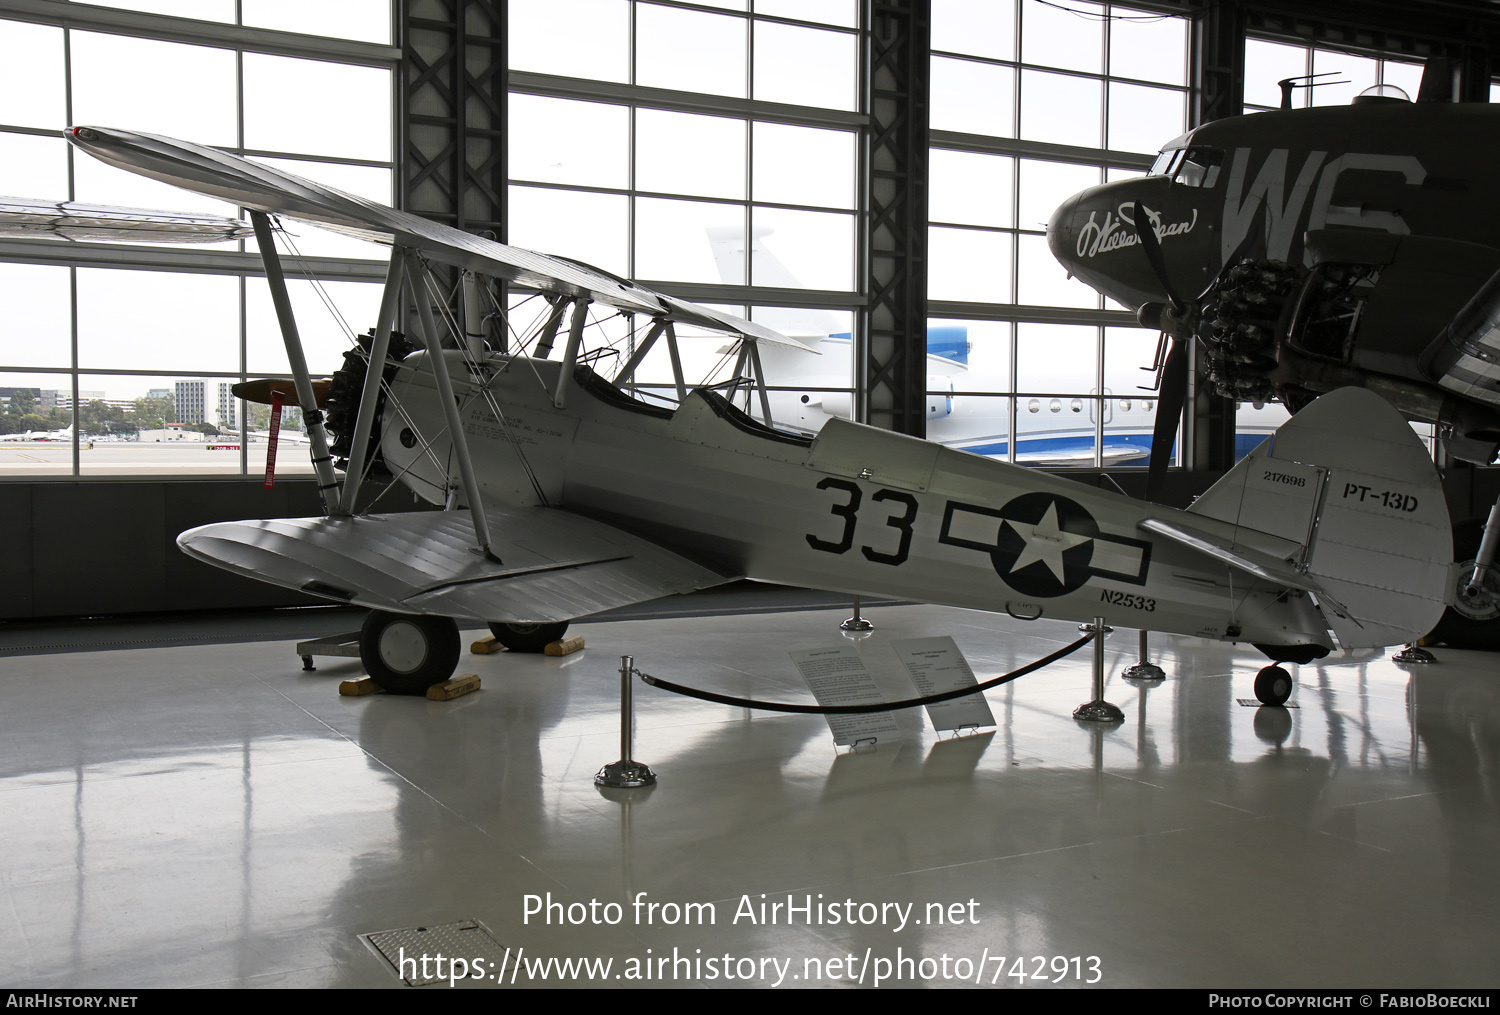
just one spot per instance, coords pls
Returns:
(721, 403)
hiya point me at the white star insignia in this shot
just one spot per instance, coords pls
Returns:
(1045, 542)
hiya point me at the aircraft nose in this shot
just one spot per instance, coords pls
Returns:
(1060, 231)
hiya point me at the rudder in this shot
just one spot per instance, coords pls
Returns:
(1348, 480)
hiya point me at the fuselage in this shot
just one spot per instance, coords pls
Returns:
(1253, 186)
(857, 509)
(1312, 249)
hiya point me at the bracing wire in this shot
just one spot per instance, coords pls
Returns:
(1101, 16)
(317, 284)
(481, 387)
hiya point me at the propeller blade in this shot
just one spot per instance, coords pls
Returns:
(1173, 392)
(1151, 247)
(260, 391)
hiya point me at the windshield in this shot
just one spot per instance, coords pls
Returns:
(1200, 167)
(1165, 162)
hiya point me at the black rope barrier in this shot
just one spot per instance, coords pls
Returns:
(879, 706)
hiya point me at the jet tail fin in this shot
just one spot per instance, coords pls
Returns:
(1348, 481)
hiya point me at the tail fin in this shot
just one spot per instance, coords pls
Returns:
(1348, 480)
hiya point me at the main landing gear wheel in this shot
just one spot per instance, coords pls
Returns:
(528, 637)
(1273, 685)
(1472, 621)
(407, 654)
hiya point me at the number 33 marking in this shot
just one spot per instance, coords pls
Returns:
(849, 512)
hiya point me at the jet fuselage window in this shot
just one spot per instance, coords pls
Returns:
(1200, 167)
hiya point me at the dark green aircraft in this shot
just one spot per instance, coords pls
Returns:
(1312, 249)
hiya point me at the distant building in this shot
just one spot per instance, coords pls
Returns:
(85, 397)
(45, 398)
(205, 402)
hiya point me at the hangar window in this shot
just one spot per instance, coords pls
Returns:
(1348, 74)
(1012, 81)
(125, 339)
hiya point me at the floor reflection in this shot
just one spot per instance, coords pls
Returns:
(216, 816)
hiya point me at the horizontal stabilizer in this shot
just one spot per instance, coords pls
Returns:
(1246, 558)
(553, 565)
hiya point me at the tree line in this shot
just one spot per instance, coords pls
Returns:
(95, 417)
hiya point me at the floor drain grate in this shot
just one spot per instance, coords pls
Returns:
(420, 956)
(1255, 703)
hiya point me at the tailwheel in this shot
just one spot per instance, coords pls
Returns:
(407, 653)
(528, 637)
(1273, 685)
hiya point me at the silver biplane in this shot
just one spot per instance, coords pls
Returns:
(560, 493)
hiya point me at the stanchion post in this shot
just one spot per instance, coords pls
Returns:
(1098, 710)
(1412, 654)
(626, 773)
(1144, 669)
(856, 622)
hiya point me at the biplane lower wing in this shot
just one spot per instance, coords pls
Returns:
(553, 565)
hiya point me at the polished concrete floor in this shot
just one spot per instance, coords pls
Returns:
(213, 815)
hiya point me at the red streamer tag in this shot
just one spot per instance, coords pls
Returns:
(275, 438)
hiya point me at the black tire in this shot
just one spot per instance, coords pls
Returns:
(1273, 685)
(1470, 623)
(528, 637)
(407, 653)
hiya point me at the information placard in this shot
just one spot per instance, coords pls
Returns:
(837, 676)
(937, 666)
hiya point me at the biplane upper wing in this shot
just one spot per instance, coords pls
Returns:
(27, 218)
(263, 188)
(555, 567)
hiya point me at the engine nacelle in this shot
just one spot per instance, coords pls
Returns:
(939, 396)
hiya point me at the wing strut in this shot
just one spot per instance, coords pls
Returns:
(474, 316)
(369, 396)
(627, 372)
(570, 354)
(322, 461)
(760, 381)
(676, 363)
(548, 334)
(450, 405)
